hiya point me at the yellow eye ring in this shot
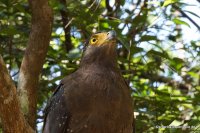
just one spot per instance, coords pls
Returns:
(93, 40)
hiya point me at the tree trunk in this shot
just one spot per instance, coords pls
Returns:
(12, 118)
(34, 58)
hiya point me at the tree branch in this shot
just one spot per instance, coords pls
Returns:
(12, 118)
(66, 27)
(34, 58)
(108, 7)
(186, 16)
(169, 81)
(158, 78)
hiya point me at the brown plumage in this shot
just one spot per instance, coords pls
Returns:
(95, 98)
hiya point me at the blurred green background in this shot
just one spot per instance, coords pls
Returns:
(158, 53)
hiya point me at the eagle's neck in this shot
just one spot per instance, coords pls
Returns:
(104, 57)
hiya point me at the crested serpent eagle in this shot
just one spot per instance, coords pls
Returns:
(95, 98)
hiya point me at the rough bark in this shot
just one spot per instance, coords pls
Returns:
(34, 58)
(12, 118)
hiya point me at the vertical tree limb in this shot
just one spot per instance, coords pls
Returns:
(12, 118)
(66, 27)
(108, 7)
(34, 58)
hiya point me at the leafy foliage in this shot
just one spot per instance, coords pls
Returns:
(161, 66)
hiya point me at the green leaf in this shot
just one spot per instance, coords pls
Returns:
(139, 20)
(178, 60)
(135, 50)
(192, 13)
(180, 22)
(177, 63)
(153, 3)
(168, 2)
(148, 38)
(176, 123)
(157, 53)
(20, 8)
(74, 54)
(122, 2)
(9, 31)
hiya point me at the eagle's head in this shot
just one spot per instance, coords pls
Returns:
(103, 38)
(100, 49)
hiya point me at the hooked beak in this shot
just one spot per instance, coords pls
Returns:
(111, 35)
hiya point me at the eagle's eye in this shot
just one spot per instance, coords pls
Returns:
(93, 40)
